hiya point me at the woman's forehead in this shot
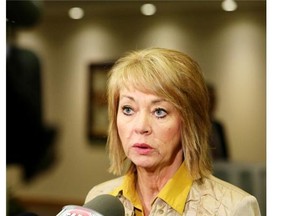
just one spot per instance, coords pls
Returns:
(134, 89)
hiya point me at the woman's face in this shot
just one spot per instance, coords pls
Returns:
(150, 130)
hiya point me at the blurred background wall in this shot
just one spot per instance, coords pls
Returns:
(229, 46)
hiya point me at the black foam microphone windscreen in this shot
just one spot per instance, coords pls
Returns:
(106, 204)
(102, 205)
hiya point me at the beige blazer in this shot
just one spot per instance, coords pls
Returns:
(211, 197)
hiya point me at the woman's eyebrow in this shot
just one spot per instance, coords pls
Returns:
(158, 100)
(154, 101)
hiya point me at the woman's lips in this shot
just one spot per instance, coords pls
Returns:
(142, 148)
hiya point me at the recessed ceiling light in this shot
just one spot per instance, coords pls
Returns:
(148, 9)
(76, 13)
(229, 5)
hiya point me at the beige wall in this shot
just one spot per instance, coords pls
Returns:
(230, 47)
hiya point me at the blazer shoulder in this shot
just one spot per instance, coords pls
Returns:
(223, 198)
(217, 183)
(225, 191)
(104, 188)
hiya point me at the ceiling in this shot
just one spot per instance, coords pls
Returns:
(26, 13)
(57, 9)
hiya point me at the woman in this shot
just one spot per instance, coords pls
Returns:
(158, 137)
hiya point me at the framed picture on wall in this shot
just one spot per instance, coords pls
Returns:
(97, 107)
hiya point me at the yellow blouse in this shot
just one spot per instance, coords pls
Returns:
(174, 193)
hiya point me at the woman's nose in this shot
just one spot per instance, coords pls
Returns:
(143, 124)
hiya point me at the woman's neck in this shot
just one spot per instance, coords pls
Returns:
(149, 184)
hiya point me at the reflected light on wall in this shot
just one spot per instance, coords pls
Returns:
(148, 9)
(229, 5)
(164, 34)
(76, 13)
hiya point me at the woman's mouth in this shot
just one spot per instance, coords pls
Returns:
(142, 148)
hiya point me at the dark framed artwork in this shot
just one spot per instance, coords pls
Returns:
(97, 107)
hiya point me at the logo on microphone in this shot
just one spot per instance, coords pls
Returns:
(77, 211)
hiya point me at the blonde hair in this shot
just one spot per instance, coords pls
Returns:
(177, 78)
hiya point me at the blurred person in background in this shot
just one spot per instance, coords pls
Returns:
(218, 139)
(29, 141)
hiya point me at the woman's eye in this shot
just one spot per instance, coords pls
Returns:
(127, 110)
(160, 113)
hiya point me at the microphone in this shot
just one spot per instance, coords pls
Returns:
(102, 205)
